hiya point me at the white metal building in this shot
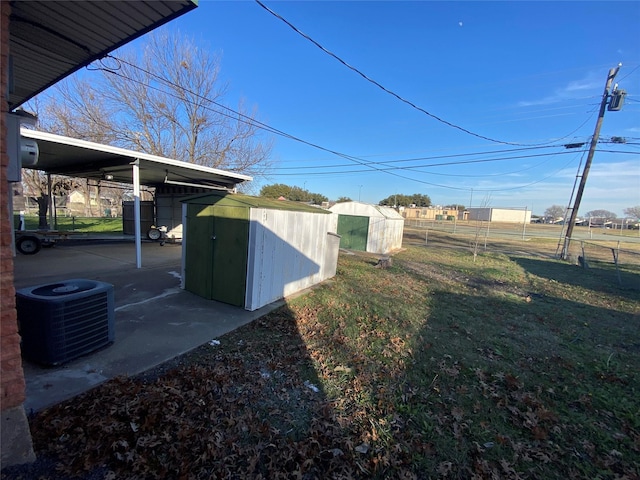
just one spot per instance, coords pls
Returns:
(507, 215)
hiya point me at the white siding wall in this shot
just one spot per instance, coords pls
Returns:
(286, 254)
(511, 215)
(384, 235)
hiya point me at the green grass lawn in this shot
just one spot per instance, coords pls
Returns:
(80, 224)
(514, 366)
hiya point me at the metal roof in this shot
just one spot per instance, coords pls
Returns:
(49, 40)
(246, 201)
(366, 210)
(79, 158)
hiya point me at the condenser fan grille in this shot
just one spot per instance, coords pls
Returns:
(80, 325)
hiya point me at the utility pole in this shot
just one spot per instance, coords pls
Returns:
(587, 166)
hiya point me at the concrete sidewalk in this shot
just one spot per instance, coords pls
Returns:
(155, 320)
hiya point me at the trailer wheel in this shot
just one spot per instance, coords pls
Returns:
(28, 245)
(154, 234)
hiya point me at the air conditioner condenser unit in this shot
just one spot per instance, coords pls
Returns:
(62, 321)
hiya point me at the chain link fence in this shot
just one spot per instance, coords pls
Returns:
(610, 262)
(606, 255)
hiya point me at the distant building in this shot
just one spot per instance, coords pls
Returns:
(507, 215)
(432, 213)
(627, 223)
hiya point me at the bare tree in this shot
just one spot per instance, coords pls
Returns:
(68, 119)
(35, 183)
(554, 212)
(633, 212)
(604, 214)
(164, 99)
(481, 224)
(74, 109)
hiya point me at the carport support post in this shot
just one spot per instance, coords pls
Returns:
(49, 200)
(136, 211)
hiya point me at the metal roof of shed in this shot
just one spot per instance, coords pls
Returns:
(50, 39)
(79, 158)
(247, 201)
(366, 210)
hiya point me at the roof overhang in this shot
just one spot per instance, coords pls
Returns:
(79, 158)
(49, 40)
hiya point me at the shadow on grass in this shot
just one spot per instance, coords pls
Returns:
(598, 277)
(482, 384)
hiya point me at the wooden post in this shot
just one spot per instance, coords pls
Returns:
(486, 234)
(587, 166)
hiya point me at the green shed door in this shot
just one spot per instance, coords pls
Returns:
(216, 252)
(353, 231)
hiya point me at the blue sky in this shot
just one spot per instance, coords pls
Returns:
(521, 74)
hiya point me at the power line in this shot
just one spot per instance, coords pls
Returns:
(388, 91)
(303, 170)
(457, 155)
(637, 67)
(251, 121)
(476, 189)
(616, 151)
(414, 167)
(477, 175)
(241, 117)
(436, 157)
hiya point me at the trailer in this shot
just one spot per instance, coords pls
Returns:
(30, 242)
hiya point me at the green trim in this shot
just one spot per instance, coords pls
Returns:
(353, 231)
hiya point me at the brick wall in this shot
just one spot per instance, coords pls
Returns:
(12, 386)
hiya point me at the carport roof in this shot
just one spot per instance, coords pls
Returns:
(79, 158)
(51, 39)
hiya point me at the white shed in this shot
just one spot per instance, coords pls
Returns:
(370, 228)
